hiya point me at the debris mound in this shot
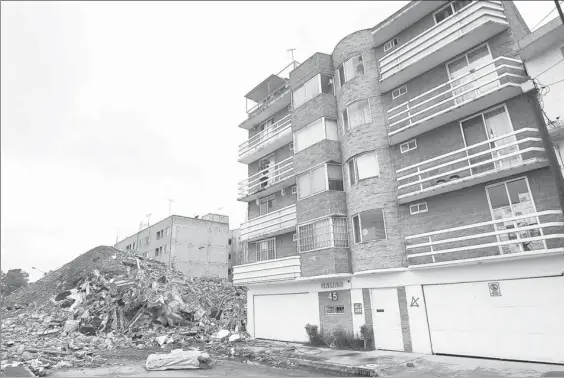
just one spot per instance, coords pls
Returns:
(105, 300)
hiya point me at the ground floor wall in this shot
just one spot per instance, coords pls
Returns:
(394, 302)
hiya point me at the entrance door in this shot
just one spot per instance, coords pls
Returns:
(266, 129)
(463, 69)
(510, 199)
(490, 125)
(386, 319)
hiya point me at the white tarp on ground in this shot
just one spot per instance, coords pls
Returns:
(178, 359)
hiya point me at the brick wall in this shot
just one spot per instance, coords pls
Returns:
(336, 321)
(320, 205)
(404, 317)
(325, 261)
(322, 105)
(280, 201)
(323, 151)
(317, 63)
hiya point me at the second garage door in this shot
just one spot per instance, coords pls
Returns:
(511, 319)
(284, 317)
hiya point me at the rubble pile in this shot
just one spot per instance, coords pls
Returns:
(106, 300)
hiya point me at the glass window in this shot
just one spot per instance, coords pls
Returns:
(324, 233)
(335, 177)
(327, 84)
(265, 204)
(356, 114)
(322, 178)
(350, 69)
(363, 166)
(318, 180)
(309, 135)
(443, 14)
(304, 187)
(369, 225)
(311, 88)
(266, 249)
(331, 129)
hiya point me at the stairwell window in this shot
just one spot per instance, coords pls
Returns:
(390, 44)
(350, 69)
(356, 114)
(324, 177)
(363, 166)
(311, 88)
(399, 92)
(318, 130)
(369, 225)
(450, 9)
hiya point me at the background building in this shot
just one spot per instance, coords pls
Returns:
(235, 246)
(197, 246)
(401, 182)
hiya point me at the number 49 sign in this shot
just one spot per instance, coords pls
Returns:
(333, 296)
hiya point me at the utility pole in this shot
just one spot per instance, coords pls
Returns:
(548, 145)
(559, 11)
(292, 54)
(170, 206)
(148, 219)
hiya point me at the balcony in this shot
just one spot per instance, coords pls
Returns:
(269, 97)
(475, 23)
(556, 129)
(268, 180)
(495, 158)
(530, 235)
(489, 84)
(267, 141)
(275, 223)
(287, 268)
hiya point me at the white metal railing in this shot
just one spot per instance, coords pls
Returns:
(438, 36)
(267, 177)
(555, 124)
(265, 136)
(455, 93)
(272, 222)
(276, 93)
(285, 268)
(477, 160)
(520, 234)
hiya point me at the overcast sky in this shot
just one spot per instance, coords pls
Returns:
(110, 109)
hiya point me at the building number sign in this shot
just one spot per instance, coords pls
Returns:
(333, 296)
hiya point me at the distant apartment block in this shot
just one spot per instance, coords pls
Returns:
(198, 247)
(401, 182)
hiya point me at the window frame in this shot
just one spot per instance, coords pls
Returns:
(407, 144)
(273, 239)
(344, 67)
(332, 232)
(400, 92)
(319, 87)
(419, 211)
(452, 8)
(360, 226)
(296, 145)
(326, 180)
(347, 125)
(355, 168)
(391, 43)
(268, 198)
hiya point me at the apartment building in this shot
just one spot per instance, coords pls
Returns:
(401, 182)
(543, 54)
(198, 247)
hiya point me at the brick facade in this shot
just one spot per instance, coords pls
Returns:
(404, 316)
(325, 261)
(321, 152)
(332, 322)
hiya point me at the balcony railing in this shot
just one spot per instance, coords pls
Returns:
(519, 236)
(267, 178)
(274, 223)
(277, 132)
(475, 23)
(271, 98)
(497, 80)
(286, 268)
(494, 158)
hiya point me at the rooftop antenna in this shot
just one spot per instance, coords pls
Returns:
(170, 206)
(292, 54)
(148, 219)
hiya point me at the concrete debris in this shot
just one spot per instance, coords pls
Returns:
(234, 337)
(95, 306)
(178, 359)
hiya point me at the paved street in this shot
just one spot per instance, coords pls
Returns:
(222, 369)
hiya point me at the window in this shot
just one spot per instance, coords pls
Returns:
(399, 92)
(266, 249)
(158, 251)
(265, 204)
(230, 256)
(318, 130)
(166, 248)
(350, 69)
(294, 237)
(160, 234)
(294, 189)
(408, 146)
(229, 271)
(369, 225)
(323, 233)
(363, 166)
(168, 230)
(311, 88)
(390, 44)
(324, 177)
(334, 310)
(291, 147)
(450, 9)
(356, 114)
(229, 241)
(418, 208)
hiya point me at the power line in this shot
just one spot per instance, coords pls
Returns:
(544, 18)
(556, 82)
(549, 68)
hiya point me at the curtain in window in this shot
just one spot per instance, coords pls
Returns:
(367, 165)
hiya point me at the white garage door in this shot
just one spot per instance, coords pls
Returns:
(523, 320)
(284, 317)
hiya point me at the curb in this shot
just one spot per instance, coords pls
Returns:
(353, 370)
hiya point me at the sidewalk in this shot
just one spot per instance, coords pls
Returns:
(401, 364)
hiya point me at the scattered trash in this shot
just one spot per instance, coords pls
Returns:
(234, 337)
